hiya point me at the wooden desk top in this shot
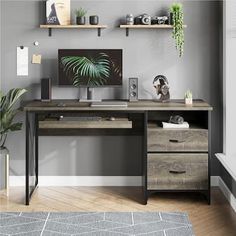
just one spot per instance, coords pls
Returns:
(141, 105)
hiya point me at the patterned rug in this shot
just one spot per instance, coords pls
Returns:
(95, 224)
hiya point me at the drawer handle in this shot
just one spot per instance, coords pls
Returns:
(176, 141)
(177, 171)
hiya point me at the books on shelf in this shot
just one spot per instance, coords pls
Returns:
(167, 125)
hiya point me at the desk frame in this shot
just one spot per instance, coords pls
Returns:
(36, 108)
(32, 151)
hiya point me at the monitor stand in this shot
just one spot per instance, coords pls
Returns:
(89, 92)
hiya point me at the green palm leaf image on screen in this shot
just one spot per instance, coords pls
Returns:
(95, 71)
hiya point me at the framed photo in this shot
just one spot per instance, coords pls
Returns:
(58, 12)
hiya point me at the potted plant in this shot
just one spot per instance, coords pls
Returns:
(80, 16)
(188, 96)
(8, 113)
(177, 18)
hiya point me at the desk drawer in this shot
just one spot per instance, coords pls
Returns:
(177, 171)
(172, 140)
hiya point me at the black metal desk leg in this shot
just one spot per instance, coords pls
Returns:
(27, 195)
(36, 150)
(144, 159)
(31, 168)
(209, 158)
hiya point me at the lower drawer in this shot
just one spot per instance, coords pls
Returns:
(177, 171)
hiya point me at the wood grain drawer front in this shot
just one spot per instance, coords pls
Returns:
(172, 140)
(177, 171)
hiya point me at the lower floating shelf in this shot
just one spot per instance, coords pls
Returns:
(50, 27)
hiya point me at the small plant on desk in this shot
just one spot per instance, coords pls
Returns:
(188, 97)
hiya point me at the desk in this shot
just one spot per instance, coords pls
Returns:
(138, 118)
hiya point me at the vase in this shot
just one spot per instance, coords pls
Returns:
(4, 169)
(188, 101)
(129, 19)
(93, 20)
(81, 20)
(170, 20)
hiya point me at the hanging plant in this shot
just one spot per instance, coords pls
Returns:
(176, 10)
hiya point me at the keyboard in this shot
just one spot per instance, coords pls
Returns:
(81, 118)
(109, 104)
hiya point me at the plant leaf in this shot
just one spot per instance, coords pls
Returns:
(95, 70)
(15, 126)
(7, 113)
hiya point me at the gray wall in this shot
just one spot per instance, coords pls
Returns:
(146, 53)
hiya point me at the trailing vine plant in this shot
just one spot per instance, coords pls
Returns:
(178, 29)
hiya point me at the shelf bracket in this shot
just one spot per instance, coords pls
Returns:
(49, 32)
(99, 32)
(127, 32)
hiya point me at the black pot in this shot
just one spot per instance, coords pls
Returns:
(170, 21)
(80, 20)
(93, 20)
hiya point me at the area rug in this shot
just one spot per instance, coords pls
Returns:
(95, 224)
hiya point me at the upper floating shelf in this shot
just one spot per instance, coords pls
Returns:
(127, 27)
(50, 27)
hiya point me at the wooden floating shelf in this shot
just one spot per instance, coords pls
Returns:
(50, 27)
(127, 27)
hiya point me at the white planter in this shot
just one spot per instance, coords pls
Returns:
(188, 101)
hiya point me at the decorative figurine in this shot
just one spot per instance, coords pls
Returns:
(129, 19)
(162, 87)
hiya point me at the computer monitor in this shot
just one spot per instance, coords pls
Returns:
(90, 67)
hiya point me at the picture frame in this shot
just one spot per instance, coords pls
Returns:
(58, 12)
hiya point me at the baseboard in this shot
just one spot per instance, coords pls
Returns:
(81, 180)
(229, 196)
(89, 181)
(214, 181)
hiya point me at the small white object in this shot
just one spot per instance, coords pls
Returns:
(22, 61)
(112, 119)
(167, 125)
(36, 43)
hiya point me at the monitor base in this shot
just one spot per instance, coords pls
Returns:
(90, 100)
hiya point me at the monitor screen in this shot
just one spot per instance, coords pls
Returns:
(90, 67)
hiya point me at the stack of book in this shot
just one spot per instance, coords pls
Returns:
(166, 125)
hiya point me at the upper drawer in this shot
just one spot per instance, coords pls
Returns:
(177, 140)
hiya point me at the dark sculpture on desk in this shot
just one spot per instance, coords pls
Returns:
(162, 87)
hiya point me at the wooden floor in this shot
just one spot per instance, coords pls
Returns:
(217, 219)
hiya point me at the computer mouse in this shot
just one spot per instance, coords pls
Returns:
(112, 118)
